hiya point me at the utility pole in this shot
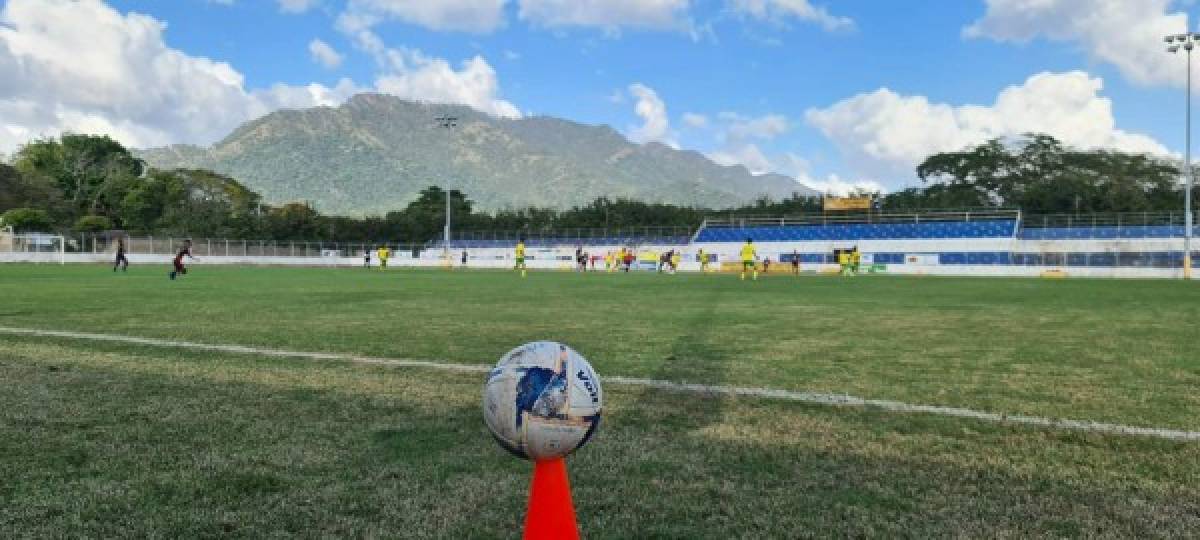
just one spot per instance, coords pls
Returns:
(1187, 42)
(447, 122)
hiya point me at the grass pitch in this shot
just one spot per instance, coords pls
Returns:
(106, 439)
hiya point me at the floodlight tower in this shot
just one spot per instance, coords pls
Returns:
(447, 122)
(1187, 42)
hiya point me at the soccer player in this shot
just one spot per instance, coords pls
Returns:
(844, 261)
(795, 262)
(185, 249)
(703, 261)
(383, 253)
(767, 265)
(749, 256)
(675, 258)
(366, 258)
(464, 258)
(121, 261)
(520, 255)
(855, 260)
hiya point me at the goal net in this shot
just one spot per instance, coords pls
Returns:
(32, 247)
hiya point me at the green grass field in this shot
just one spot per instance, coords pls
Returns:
(110, 439)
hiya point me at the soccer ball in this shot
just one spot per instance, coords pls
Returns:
(542, 401)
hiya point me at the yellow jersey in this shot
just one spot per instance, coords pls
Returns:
(384, 253)
(748, 253)
(521, 249)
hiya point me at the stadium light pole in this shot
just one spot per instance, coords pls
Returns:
(447, 122)
(1187, 42)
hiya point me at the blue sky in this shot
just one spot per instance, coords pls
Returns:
(836, 93)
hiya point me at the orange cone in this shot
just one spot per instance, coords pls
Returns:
(551, 515)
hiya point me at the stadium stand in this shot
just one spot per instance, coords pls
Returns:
(961, 239)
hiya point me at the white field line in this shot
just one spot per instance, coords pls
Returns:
(838, 400)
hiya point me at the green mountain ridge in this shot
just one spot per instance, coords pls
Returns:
(375, 152)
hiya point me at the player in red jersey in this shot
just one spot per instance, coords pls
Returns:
(185, 249)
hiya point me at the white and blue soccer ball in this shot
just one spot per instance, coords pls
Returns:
(542, 401)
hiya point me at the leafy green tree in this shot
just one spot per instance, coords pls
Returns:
(20, 191)
(93, 224)
(28, 220)
(293, 221)
(1039, 174)
(91, 171)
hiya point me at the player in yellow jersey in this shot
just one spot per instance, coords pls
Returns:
(703, 261)
(383, 253)
(520, 255)
(749, 256)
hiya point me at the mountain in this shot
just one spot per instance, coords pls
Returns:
(374, 153)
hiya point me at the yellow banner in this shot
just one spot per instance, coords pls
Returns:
(847, 203)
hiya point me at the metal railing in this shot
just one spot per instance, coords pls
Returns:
(647, 234)
(201, 247)
(1124, 219)
(857, 218)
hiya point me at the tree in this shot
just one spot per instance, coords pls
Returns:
(19, 191)
(93, 224)
(1038, 174)
(28, 220)
(293, 221)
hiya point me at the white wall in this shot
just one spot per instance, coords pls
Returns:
(549, 258)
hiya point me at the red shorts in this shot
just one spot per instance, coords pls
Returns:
(179, 267)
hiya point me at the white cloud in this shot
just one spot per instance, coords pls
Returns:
(764, 127)
(886, 134)
(419, 77)
(410, 74)
(653, 111)
(747, 154)
(608, 14)
(835, 185)
(779, 11)
(480, 16)
(283, 96)
(1125, 33)
(736, 134)
(695, 120)
(322, 53)
(81, 66)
